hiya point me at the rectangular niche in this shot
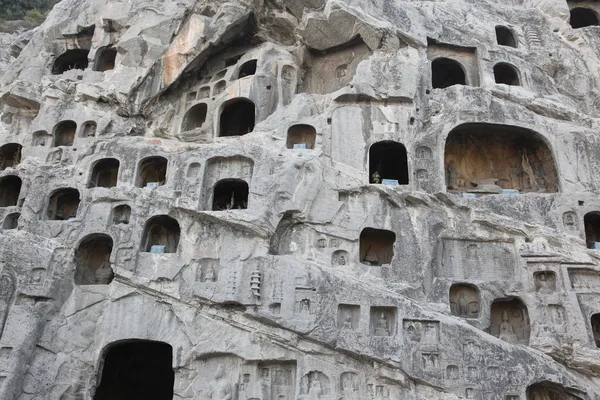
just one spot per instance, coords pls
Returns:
(376, 246)
(348, 316)
(383, 321)
(465, 56)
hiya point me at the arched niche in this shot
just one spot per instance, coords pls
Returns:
(551, 391)
(161, 235)
(230, 194)
(153, 171)
(10, 190)
(376, 246)
(505, 37)
(486, 158)
(64, 133)
(237, 117)
(510, 321)
(195, 117)
(506, 74)
(446, 72)
(121, 214)
(301, 136)
(277, 244)
(105, 59)
(92, 260)
(10, 155)
(63, 204)
(464, 300)
(582, 17)
(591, 222)
(89, 129)
(11, 221)
(388, 160)
(104, 173)
(136, 369)
(247, 69)
(71, 59)
(41, 138)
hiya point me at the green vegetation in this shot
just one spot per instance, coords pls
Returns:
(32, 11)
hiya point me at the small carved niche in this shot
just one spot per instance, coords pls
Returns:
(204, 93)
(195, 117)
(595, 320)
(340, 258)
(301, 136)
(545, 281)
(424, 153)
(316, 384)
(207, 270)
(121, 214)
(230, 194)
(388, 161)
(376, 246)
(11, 221)
(92, 260)
(464, 300)
(219, 88)
(349, 385)
(104, 173)
(505, 37)
(10, 155)
(446, 72)
(152, 170)
(452, 372)
(570, 221)
(591, 222)
(237, 117)
(63, 204)
(89, 129)
(10, 190)
(383, 321)
(105, 60)
(348, 317)
(71, 59)
(161, 235)
(506, 74)
(510, 321)
(193, 172)
(247, 69)
(64, 133)
(41, 138)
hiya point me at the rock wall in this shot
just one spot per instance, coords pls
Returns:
(301, 199)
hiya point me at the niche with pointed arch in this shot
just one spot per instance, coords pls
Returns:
(10, 190)
(161, 235)
(487, 158)
(92, 260)
(136, 369)
(63, 204)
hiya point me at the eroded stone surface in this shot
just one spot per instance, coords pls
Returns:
(315, 200)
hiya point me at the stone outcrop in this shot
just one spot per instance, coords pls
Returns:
(301, 199)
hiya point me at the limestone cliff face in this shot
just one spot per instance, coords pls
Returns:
(301, 199)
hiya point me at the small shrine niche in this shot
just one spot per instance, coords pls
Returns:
(11, 221)
(230, 194)
(105, 59)
(505, 37)
(137, 370)
(63, 204)
(10, 155)
(247, 69)
(464, 300)
(92, 260)
(161, 235)
(506, 74)
(376, 246)
(10, 190)
(301, 137)
(195, 117)
(348, 316)
(591, 222)
(545, 281)
(388, 163)
(89, 129)
(152, 172)
(383, 321)
(582, 17)
(237, 117)
(105, 173)
(340, 258)
(71, 59)
(41, 138)
(595, 321)
(64, 133)
(510, 321)
(446, 72)
(489, 158)
(121, 215)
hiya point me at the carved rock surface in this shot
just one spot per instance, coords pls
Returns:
(308, 200)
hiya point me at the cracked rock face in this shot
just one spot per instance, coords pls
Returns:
(301, 200)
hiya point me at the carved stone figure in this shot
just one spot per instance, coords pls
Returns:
(382, 326)
(507, 332)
